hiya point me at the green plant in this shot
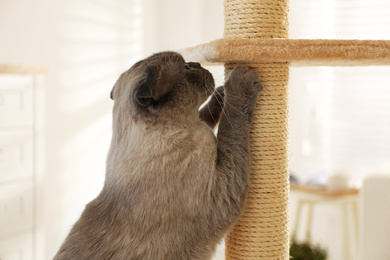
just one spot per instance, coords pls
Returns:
(306, 251)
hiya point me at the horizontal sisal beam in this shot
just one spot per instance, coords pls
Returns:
(299, 52)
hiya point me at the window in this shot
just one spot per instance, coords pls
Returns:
(340, 116)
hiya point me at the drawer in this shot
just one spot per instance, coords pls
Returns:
(16, 100)
(16, 208)
(16, 154)
(17, 247)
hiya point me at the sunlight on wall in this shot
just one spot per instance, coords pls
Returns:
(97, 41)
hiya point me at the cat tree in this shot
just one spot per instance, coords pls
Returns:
(255, 35)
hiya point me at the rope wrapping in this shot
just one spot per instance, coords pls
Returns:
(262, 230)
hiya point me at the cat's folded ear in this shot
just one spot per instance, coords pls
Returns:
(112, 94)
(156, 84)
(116, 87)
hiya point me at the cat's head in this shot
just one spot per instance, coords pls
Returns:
(161, 88)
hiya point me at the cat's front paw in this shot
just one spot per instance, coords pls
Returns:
(243, 82)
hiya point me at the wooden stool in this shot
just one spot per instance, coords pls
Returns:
(345, 199)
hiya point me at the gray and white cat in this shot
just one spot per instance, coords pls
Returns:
(172, 189)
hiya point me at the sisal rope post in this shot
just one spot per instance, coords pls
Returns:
(262, 230)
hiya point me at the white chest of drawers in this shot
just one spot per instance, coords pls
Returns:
(18, 160)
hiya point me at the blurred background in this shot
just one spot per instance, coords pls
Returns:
(339, 116)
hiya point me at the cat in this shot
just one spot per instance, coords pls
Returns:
(172, 188)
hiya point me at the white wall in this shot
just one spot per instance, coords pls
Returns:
(86, 44)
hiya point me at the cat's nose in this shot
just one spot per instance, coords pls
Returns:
(194, 64)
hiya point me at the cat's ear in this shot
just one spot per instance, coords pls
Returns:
(113, 89)
(112, 94)
(116, 86)
(155, 85)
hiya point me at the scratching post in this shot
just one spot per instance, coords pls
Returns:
(256, 36)
(262, 230)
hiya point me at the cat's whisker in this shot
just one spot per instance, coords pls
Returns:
(217, 98)
(225, 102)
(222, 105)
(211, 114)
(227, 117)
(226, 111)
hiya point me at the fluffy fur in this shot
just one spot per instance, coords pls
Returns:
(172, 188)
